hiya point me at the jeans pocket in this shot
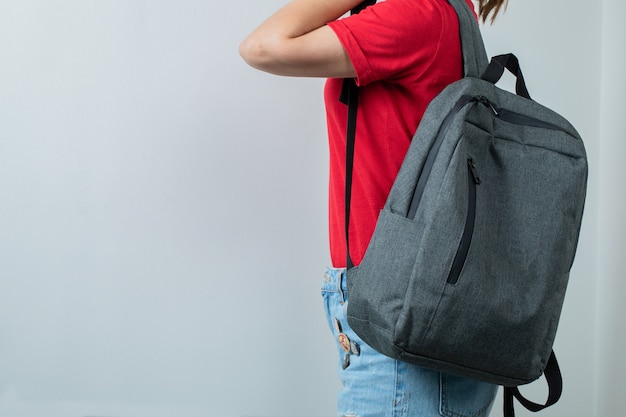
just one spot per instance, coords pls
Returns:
(326, 299)
(465, 397)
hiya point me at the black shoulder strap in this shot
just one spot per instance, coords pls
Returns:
(362, 6)
(552, 373)
(350, 91)
(350, 96)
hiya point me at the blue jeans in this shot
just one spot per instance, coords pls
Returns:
(375, 385)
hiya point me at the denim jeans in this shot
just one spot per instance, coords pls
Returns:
(375, 385)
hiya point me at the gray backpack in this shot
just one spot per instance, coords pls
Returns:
(467, 269)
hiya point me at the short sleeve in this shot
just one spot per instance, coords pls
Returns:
(393, 39)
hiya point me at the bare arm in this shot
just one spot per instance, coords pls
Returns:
(295, 41)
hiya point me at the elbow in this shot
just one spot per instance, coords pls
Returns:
(255, 53)
(262, 53)
(249, 51)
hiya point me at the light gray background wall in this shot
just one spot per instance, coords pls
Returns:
(162, 216)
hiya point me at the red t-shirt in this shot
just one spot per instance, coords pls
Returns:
(404, 53)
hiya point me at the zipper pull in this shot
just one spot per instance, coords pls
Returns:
(473, 170)
(485, 101)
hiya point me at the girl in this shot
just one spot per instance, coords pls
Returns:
(401, 53)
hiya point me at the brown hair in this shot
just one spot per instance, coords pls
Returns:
(490, 7)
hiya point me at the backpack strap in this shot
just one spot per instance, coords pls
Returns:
(552, 373)
(474, 54)
(362, 6)
(350, 96)
(350, 91)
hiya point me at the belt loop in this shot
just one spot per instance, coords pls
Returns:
(340, 281)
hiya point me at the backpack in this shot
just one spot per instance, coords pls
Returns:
(467, 269)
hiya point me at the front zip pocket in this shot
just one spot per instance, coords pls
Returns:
(473, 179)
(517, 118)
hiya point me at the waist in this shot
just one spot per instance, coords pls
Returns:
(334, 280)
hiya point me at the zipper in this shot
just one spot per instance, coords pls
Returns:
(516, 118)
(473, 179)
(432, 154)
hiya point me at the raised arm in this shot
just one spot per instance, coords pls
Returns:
(295, 41)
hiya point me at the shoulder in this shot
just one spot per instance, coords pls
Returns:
(414, 23)
(393, 36)
(412, 14)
